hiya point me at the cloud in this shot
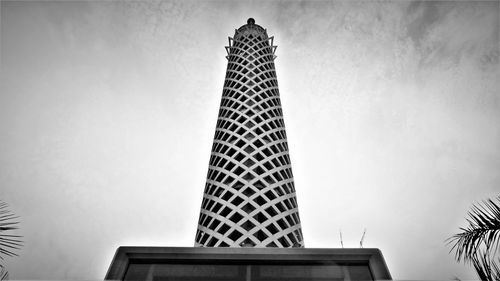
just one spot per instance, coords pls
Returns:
(446, 32)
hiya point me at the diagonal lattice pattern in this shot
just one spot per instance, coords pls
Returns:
(249, 198)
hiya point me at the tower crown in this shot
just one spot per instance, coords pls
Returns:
(251, 28)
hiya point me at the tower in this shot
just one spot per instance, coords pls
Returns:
(249, 198)
(249, 202)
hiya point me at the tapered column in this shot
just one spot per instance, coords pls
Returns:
(249, 198)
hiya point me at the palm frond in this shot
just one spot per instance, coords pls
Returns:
(486, 267)
(483, 231)
(478, 243)
(4, 274)
(9, 243)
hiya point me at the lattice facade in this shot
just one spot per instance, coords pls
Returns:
(249, 198)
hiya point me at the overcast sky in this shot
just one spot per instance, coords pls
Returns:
(108, 112)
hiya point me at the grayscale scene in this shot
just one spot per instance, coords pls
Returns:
(146, 140)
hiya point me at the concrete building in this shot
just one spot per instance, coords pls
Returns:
(249, 198)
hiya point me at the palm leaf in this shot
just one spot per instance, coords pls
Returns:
(485, 267)
(478, 243)
(4, 274)
(8, 242)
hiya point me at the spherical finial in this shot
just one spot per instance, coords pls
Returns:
(250, 21)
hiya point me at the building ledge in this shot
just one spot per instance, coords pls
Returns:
(190, 263)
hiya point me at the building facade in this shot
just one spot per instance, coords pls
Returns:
(249, 198)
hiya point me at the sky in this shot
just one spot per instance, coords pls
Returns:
(108, 112)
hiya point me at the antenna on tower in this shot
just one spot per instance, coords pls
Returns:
(341, 241)
(362, 238)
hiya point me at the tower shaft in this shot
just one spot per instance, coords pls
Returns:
(249, 198)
